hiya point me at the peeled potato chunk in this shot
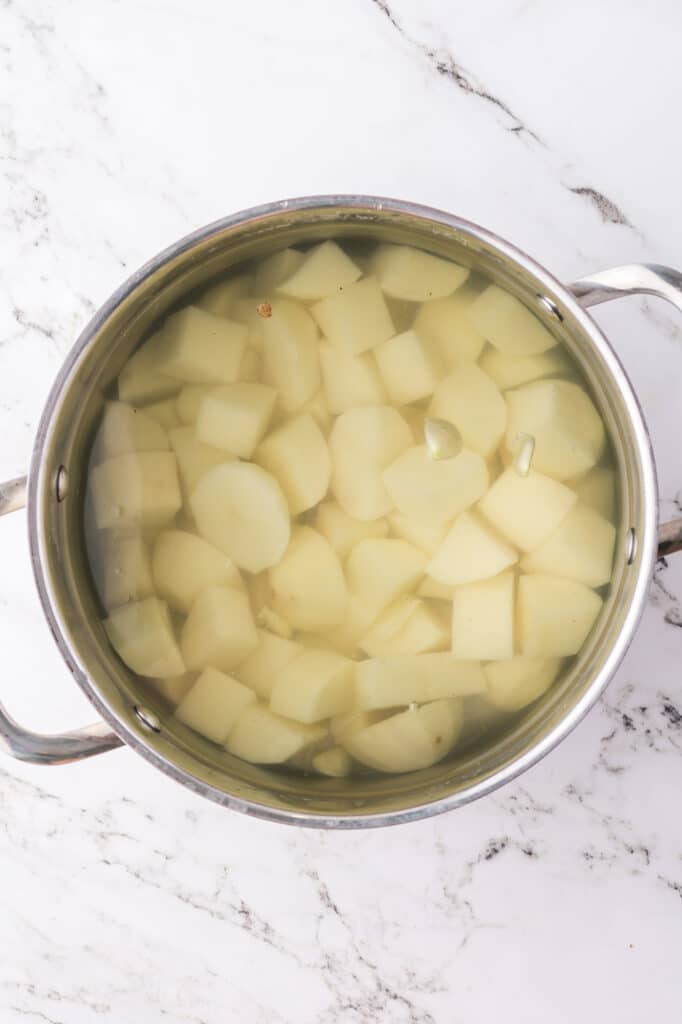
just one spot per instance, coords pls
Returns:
(324, 270)
(432, 588)
(568, 431)
(410, 367)
(141, 633)
(290, 361)
(335, 762)
(220, 298)
(314, 685)
(598, 490)
(512, 371)
(428, 538)
(359, 616)
(515, 683)
(319, 410)
(408, 626)
(432, 491)
(410, 740)
(357, 319)
(235, 417)
(174, 688)
(508, 324)
(341, 530)
(308, 586)
(250, 366)
(189, 399)
(275, 269)
(262, 668)
(201, 348)
(219, 630)
(349, 380)
(470, 551)
(137, 489)
(444, 322)
(362, 443)
(408, 273)
(165, 413)
(341, 726)
(194, 458)
(268, 618)
(252, 313)
(527, 509)
(141, 379)
(124, 429)
(183, 565)
(263, 737)
(379, 571)
(241, 509)
(483, 619)
(382, 634)
(298, 457)
(214, 704)
(555, 615)
(581, 548)
(402, 679)
(470, 400)
(124, 572)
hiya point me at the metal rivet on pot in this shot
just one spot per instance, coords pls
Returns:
(630, 546)
(62, 483)
(148, 718)
(550, 307)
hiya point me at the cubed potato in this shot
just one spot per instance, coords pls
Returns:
(298, 457)
(137, 489)
(362, 443)
(165, 413)
(141, 379)
(123, 570)
(345, 638)
(213, 704)
(349, 380)
(200, 347)
(357, 319)
(308, 586)
(470, 400)
(444, 322)
(189, 399)
(527, 509)
(250, 367)
(597, 488)
(335, 762)
(427, 538)
(220, 298)
(275, 269)
(408, 626)
(508, 324)
(419, 678)
(341, 726)
(183, 565)
(410, 367)
(319, 410)
(174, 688)
(219, 630)
(381, 635)
(241, 509)
(252, 313)
(433, 589)
(434, 491)
(324, 270)
(194, 458)
(342, 531)
(261, 669)
(235, 417)
(290, 361)
(314, 685)
(512, 371)
(568, 431)
(470, 551)
(413, 739)
(518, 682)
(408, 273)
(380, 571)
(581, 548)
(269, 619)
(124, 429)
(141, 633)
(263, 737)
(483, 619)
(554, 615)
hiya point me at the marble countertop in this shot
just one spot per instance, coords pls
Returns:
(122, 896)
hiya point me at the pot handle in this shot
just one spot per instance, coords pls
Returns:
(23, 744)
(637, 279)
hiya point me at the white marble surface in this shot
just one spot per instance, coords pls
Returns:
(122, 126)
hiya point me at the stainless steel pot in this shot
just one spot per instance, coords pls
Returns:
(55, 490)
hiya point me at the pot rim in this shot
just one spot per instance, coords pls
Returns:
(41, 486)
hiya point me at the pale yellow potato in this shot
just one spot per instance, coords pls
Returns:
(141, 379)
(597, 488)
(200, 347)
(414, 678)
(276, 268)
(512, 371)
(470, 551)
(410, 367)
(362, 443)
(263, 737)
(526, 509)
(319, 410)
(124, 429)
(137, 489)
(382, 633)
(356, 319)
(123, 570)
(324, 270)
(581, 548)
(188, 401)
(142, 635)
(434, 491)
(291, 363)
(164, 412)
(445, 323)
(518, 682)
(183, 565)
(262, 668)
(349, 380)
(554, 615)
(379, 571)
(308, 586)
(174, 688)
(213, 705)
(335, 762)
(297, 455)
(313, 686)
(341, 726)
(235, 417)
(252, 313)
(359, 616)
(343, 531)
(408, 626)
(268, 618)
(219, 630)
(508, 324)
(410, 740)
(194, 458)
(250, 367)
(220, 298)
(432, 588)
(483, 619)
(428, 538)
(408, 273)
(471, 400)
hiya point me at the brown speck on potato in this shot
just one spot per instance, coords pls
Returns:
(264, 309)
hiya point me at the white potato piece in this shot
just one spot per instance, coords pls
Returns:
(408, 273)
(141, 633)
(220, 298)
(428, 538)
(414, 678)
(183, 565)
(597, 488)
(380, 571)
(470, 551)
(434, 491)
(335, 762)
(470, 400)
(268, 618)
(194, 458)
(379, 638)
(568, 430)
(137, 489)
(314, 685)
(124, 429)
(263, 737)
(512, 371)
(408, 626)
(141, 379)
(410, 367)
(444, 322)
(188, 401)
(213, 704)
(241, 509)
(164, 413)
(297, 456)
(581, 548)
(359, 616)
(251, 366)
(123, 570)
(252, 313)
(276, 268)
(514, 684)
(324, 270)
(200, 347)
(341, 726)
(219, 630)
(308, 586)
(235, 417)
(357, 319)
(508, 324)
(527, 509)
(262, 668)
(555, 615)
(410, 740)
(290, 361)
(483, 619)
(433, 589)
(349, 380)
(342, 531)
(319, 410)
(174, 688)
(362, 443)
